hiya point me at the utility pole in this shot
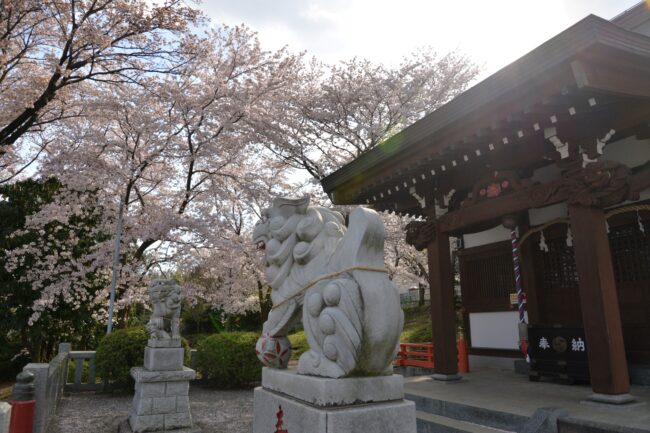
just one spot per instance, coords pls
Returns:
(116, 263)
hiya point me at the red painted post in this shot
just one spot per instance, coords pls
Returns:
(463, 354)
(22, 416)
(22, 404)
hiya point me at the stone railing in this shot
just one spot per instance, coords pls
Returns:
(84, 362)
(49, 380)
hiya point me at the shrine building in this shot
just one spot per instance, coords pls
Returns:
(555, 147)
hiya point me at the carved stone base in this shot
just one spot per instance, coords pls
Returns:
(309, 404)
(163, 358)
(172, 342)
(161, 401)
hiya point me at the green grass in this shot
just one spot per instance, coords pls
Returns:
(417, 325)
(298, 344)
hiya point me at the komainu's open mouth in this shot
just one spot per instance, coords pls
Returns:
(261, 245)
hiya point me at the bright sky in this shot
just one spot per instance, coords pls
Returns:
(494, 33)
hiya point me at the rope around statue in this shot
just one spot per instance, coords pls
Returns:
(327, 277)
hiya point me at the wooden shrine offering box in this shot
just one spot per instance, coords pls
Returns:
(557, 352)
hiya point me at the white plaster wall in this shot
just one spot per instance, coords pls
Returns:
(545, 214)
(496, 234)
(629, 151)
(546, 174)
(548, 213)
(495, 330)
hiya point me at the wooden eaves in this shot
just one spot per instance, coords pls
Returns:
(592, 72)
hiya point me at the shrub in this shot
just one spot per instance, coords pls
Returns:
(228, 359)
(122, 349)
(117, 352)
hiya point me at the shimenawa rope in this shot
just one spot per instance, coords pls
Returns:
(327, 277)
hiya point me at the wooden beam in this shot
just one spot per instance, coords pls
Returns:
(443, 319)
(607, 78)
(599, 302)
(484, 211)
(520, 201)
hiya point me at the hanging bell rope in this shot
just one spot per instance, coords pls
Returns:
(510, 222)
(521, 297)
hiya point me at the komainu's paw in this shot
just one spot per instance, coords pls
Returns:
(313, 363)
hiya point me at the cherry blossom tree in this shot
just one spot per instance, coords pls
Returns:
(408, 267)
(181, 154)
(50, 48)
(62, 248)
(190, 133)
(341, 111)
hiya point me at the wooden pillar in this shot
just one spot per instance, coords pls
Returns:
(443, 318)
(600, 312)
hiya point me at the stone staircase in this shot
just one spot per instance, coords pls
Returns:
(439, 416)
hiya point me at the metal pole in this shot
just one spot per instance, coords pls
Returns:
(116, 262)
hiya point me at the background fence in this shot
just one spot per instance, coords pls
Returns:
(49, 380)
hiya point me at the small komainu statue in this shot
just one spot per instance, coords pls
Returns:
(334, 279)
(165, 297)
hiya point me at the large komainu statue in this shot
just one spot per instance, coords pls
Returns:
(335, 279)
(165, 297)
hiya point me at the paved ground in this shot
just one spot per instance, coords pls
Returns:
(506, 391)
(214, 411)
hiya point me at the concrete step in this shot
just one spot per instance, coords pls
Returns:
(429, 423)
(462, 412)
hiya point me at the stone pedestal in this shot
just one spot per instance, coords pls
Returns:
(161, 401)
(5, 417)
(309, 404)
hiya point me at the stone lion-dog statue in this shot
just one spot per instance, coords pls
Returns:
(333, 278)
(165, 298)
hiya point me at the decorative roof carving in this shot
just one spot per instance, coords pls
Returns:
(500, 183)
(599, 184)
(420, 234)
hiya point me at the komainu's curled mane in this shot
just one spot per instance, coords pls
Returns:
(334, 278)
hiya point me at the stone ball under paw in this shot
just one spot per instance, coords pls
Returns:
(274, 352)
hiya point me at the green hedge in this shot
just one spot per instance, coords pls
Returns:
(228, 360)
(299, 344)
(122, 349)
